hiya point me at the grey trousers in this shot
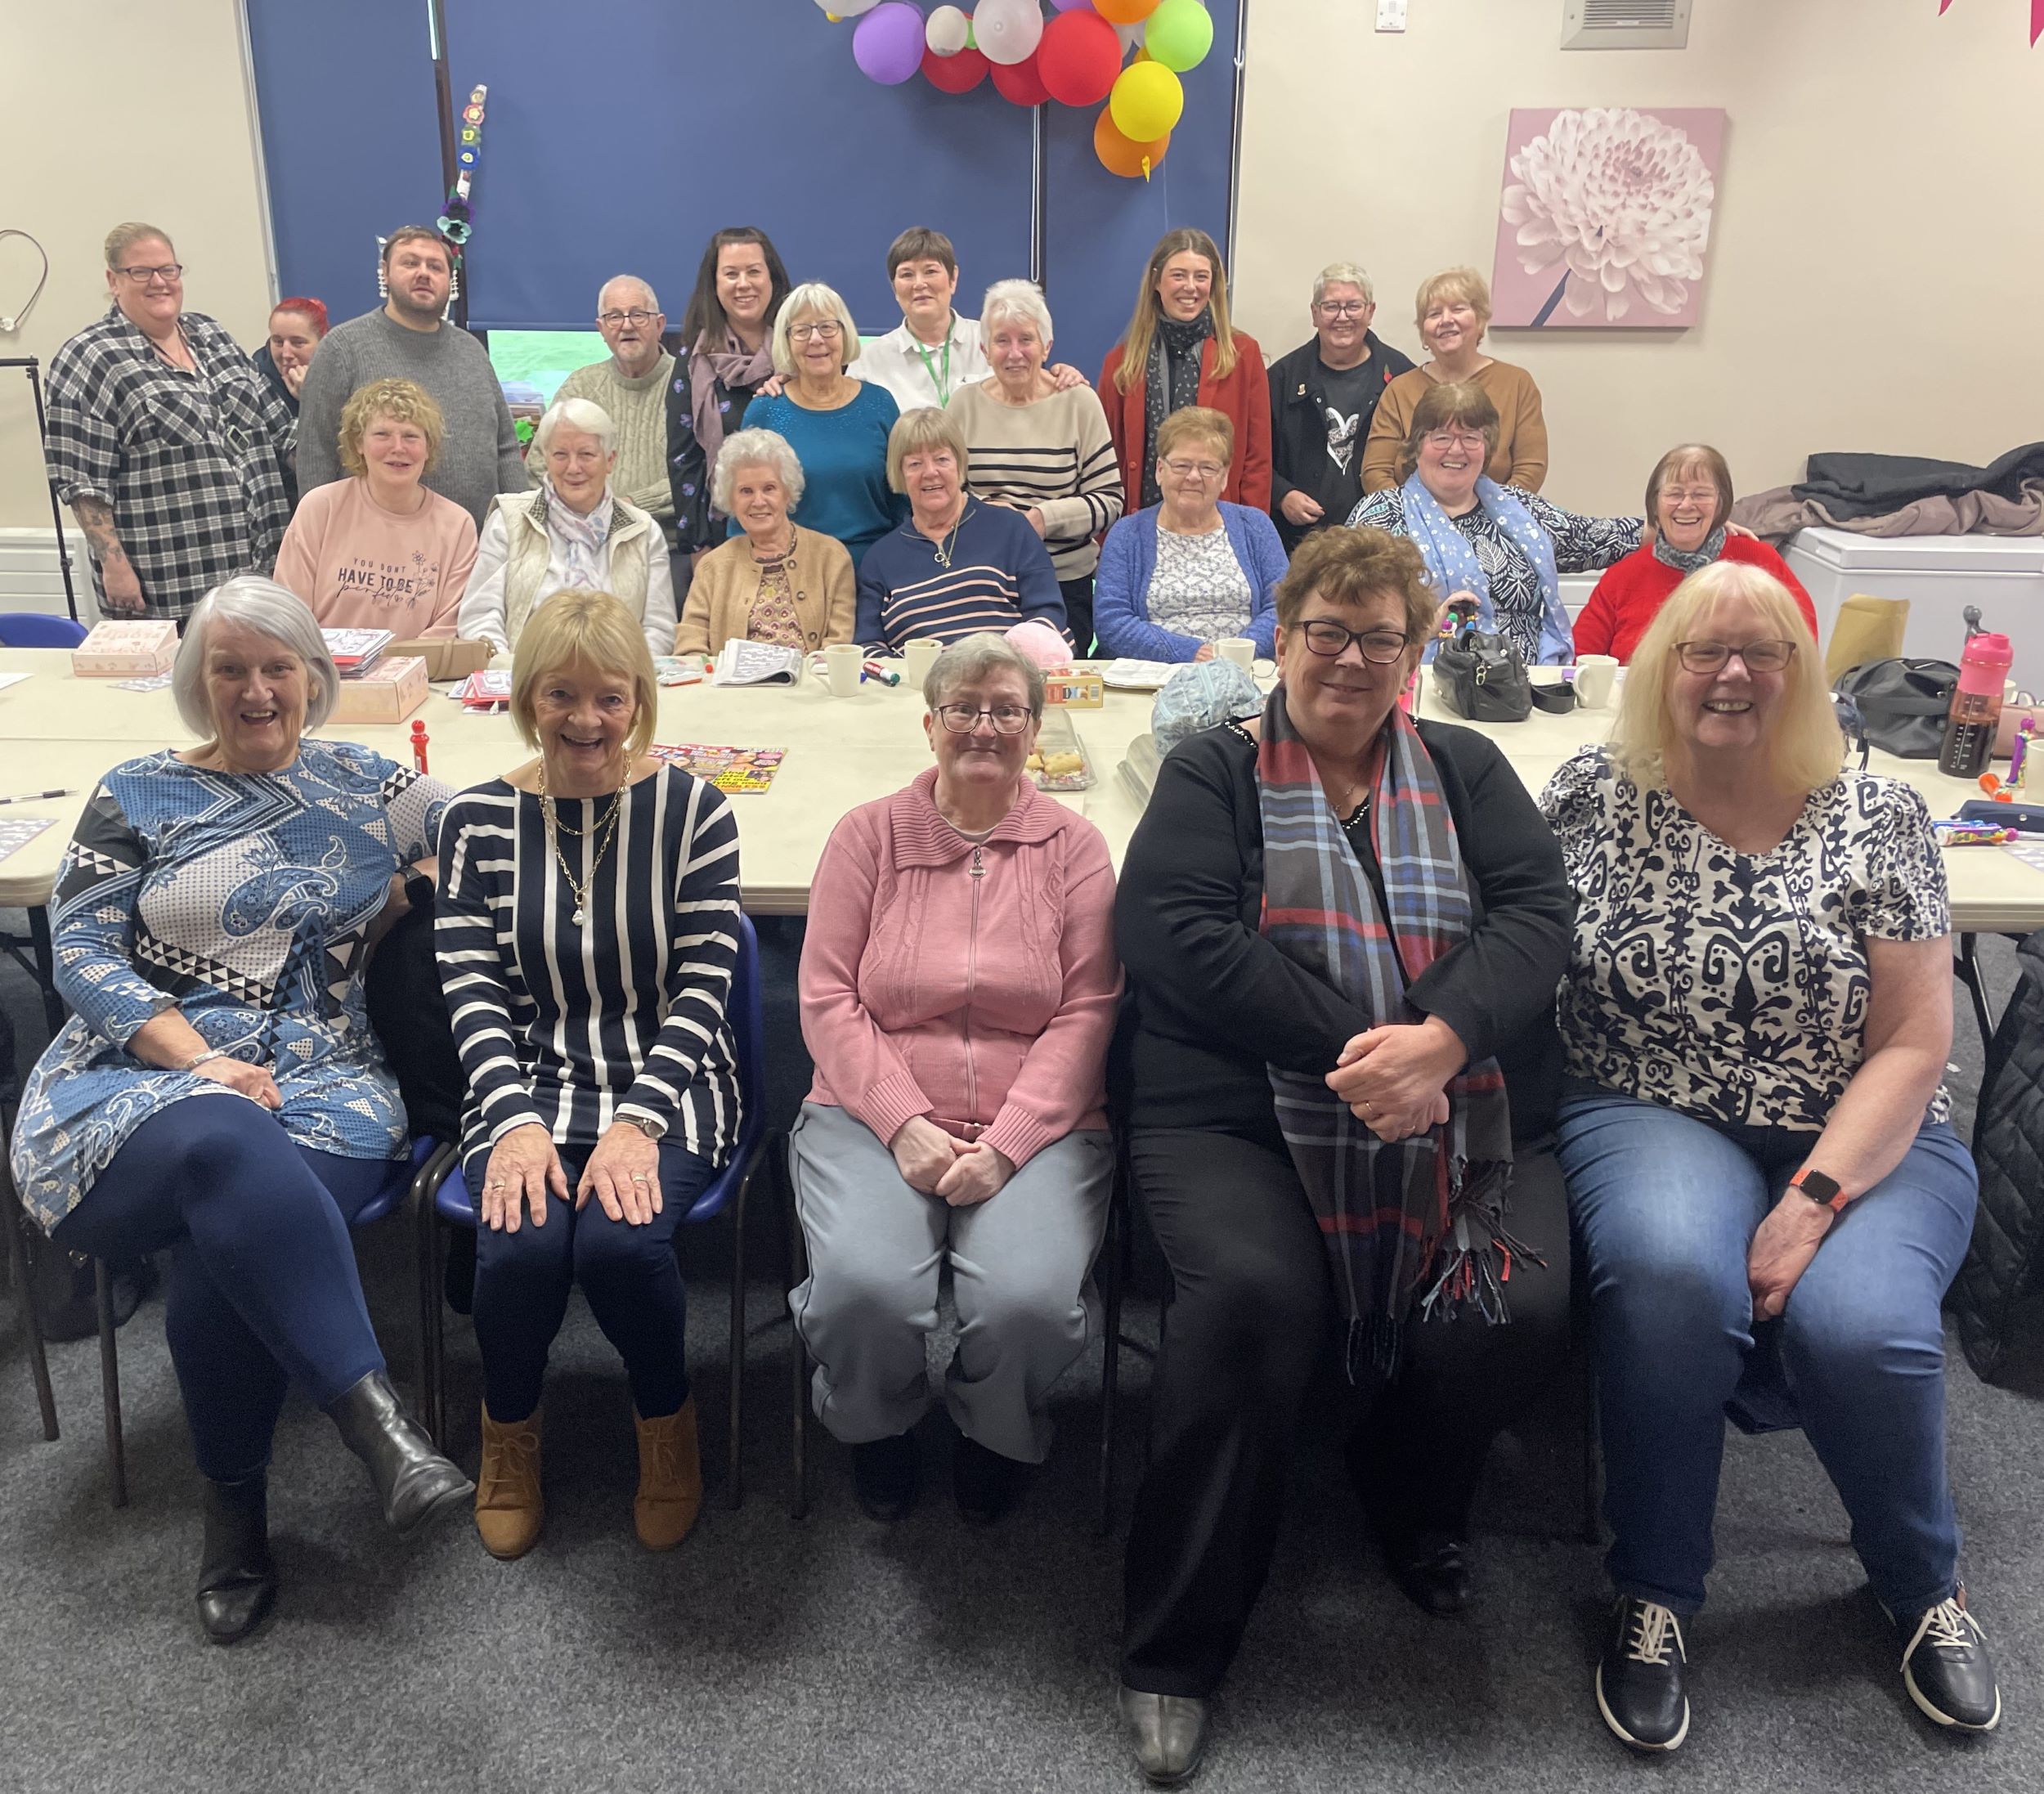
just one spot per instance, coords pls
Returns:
(1021, 1277)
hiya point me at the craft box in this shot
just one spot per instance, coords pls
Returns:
(387, 692)
(1075, 690)
(126, 650)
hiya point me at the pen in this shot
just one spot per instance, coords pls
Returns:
(36, 796)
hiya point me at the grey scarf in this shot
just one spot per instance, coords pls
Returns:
(1686, 564)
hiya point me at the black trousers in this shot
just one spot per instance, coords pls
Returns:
(1252, 1312)
(1078, 611)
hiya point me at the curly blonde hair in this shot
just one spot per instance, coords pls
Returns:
(404, 401)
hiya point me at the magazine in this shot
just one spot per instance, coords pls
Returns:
(741, 662)
(731, 769)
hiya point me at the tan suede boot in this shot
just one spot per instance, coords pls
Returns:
(509, 1510)
(670, 1478)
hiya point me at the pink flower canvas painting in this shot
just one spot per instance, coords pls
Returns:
(1605, 218)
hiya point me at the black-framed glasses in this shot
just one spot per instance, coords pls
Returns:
(169, 271)
(827, 330)
(635, 315)
(1380, 646)
(1343, 308)
(1007, 719)
(1769, 656)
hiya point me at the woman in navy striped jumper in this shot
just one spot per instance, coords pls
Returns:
(587, 930)
(957, 566)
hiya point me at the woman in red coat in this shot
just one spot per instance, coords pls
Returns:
(1178, 350)
(1689, 499)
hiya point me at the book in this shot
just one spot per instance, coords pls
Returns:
(487, 690)
(731, 769)
(741, 662)
(353, 649)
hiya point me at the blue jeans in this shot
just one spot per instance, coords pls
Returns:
(1665, 1206)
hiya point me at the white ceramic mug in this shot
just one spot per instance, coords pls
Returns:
(1595, 675)
(1237, 648)
(843, 663)
(917, 658)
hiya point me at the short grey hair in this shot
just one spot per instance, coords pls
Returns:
(645, 285)
(812, 296)
(1016, 299)
(971, 659)
(578, 414)
(1344, 274)
(755, 448)
(269, 609)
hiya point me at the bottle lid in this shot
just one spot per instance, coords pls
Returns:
(1988, 649)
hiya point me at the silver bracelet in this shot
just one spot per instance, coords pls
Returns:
(199, 1059)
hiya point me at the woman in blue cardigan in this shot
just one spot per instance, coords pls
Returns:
(1192, 571)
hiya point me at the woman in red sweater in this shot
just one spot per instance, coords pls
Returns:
(1689, 498)
(1179, 349)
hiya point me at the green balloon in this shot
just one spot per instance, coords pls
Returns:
(1179, 34)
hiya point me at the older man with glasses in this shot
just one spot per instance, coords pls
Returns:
(632, 388)
(165, 442)
(1322, 396)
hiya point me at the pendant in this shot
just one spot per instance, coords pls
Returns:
(579, 917)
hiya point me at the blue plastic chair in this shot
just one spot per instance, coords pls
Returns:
(452, 1202)
(35, 628)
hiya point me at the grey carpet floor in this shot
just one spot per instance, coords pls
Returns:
(832, 1654)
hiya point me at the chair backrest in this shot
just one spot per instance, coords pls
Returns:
(36, 629)
(746, 1010)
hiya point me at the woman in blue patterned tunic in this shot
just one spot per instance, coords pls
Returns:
(210, 922)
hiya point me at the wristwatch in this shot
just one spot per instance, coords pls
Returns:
(653, 1130)
(1819, 1188)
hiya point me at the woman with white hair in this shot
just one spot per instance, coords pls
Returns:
(836, 423)
(210, 923)
(574, 533)
(1039, 448)
(776, 582)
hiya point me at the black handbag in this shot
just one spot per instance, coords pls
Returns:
(1902, 704)
(1483, 679)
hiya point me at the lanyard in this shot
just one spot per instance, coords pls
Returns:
(942, 382)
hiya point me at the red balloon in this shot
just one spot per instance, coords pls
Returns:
(1078, 58)
(959, 74)
(1021, 83)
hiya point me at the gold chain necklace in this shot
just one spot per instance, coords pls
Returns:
(949, 545)
(605, 831)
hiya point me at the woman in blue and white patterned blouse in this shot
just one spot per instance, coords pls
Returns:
(210, 922)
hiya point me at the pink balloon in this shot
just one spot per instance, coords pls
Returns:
(887, 44)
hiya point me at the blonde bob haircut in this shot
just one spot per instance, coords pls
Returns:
(1461, 402)
(403, 402)
(1807, 746)
(591, 629)
(1453, 286)
(1142, 327)
(812, 298)
(1197, 423)
(918, 431)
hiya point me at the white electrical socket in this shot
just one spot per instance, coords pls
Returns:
(1391, 15)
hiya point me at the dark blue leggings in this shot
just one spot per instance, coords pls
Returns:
(628, 1275)
(263, 1289)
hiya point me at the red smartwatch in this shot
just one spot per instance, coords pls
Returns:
(1819, 1188)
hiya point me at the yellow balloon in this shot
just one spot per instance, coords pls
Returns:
(1147, 101)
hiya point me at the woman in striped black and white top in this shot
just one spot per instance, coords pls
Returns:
(587, 931)
(957, 566)
(1044, 451)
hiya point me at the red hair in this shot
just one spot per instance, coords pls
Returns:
(311, 307)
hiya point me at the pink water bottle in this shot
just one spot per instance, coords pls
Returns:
(1976, 707)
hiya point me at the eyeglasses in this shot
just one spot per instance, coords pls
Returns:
(613, 318)
(142, 276)
(1202, 471)
(1343, 308)
(1690, 494)
(1380, 646)
(1007, 719)
(1767, 656)
(1445, 440)
(801, 333)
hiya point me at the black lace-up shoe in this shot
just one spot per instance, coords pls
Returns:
(1640, 1676)
(884, 1477)
(1946, 1667)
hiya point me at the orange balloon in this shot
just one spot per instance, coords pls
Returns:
(1125, 11)
(1123, 156)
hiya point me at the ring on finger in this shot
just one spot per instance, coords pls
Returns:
(642, 1180)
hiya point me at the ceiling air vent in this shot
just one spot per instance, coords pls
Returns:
(1626, 24)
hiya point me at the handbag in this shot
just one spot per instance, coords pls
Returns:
(1482, 679)
(1902, 703)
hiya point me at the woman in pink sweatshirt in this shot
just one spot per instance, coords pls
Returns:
(958, 987)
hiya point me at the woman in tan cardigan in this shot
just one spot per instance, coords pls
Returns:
(1452, 310)
(774, 583)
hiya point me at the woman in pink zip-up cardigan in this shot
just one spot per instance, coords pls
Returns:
(958, 988)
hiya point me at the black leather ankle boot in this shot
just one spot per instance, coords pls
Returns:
(416, 1485)
(237, 1580)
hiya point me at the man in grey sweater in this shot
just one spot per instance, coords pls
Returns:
(409, 339)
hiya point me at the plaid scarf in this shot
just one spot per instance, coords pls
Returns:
(1417, 1221)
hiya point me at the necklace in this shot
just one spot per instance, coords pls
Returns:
(605, 831)
(949, 545)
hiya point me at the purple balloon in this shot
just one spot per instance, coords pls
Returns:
(1068, 5)
(887, 44)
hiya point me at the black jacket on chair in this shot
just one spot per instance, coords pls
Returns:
(1299, 436)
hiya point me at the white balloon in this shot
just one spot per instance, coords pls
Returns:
(1007, 31)
(947, 31)
(1132, 35)
(846, 9)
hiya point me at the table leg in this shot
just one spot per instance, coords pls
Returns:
(45, 965)
(1965, 967)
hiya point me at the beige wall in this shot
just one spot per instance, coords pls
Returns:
(1877, 256)
(140, 112)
